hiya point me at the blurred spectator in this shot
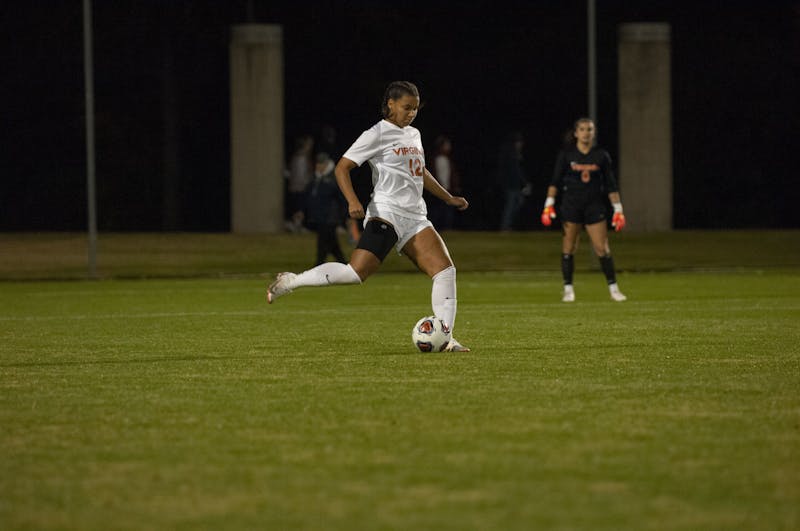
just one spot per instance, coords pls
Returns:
(300, 175)
(512, 174)
(325, 209)
(444, 170)
(326, 142)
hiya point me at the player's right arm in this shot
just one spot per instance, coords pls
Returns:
(365, 146)
(345, 182)
(549, 211)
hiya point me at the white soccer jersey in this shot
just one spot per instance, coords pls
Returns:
(397, 160)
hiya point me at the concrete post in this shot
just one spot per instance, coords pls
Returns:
(256, 55)
(645, 125)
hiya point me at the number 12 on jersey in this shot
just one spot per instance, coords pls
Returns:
(415, 167)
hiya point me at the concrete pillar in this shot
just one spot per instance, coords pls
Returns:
(645, 125)
(256, 56)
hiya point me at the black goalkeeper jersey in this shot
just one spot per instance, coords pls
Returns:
(588, 177)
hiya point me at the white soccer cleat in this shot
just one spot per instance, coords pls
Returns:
(280, 286)
(569, 294)
(616, 294)
(455, 346)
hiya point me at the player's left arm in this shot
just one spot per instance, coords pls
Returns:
(430, 184)
(618, 218)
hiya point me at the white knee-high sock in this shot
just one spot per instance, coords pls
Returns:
(326, 274)
(443, 296)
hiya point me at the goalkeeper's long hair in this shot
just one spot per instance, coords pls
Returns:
(569, 139)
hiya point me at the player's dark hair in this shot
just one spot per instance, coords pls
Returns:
(569, 134)
(395, 91)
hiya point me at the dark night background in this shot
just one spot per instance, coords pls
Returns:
(484, 69)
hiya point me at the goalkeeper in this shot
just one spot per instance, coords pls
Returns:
(583, 175)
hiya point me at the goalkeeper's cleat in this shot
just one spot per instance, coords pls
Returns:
(280, 286)
(455, 346)
(548, 215)
(569, 294)
(618, 221)
(616, 294)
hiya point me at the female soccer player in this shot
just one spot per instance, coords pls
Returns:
(396, 214)
(583, 174)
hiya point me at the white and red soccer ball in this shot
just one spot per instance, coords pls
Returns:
(430, 334)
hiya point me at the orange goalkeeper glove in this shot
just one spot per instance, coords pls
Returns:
(618, 219)
(549, 213)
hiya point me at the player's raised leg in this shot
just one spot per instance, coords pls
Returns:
(326, 274)
(376, 241)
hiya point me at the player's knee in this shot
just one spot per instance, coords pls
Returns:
(363, 272)
(364, 263)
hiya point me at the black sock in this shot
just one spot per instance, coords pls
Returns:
(567, 267)
(607, 263)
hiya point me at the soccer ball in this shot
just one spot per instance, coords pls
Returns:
(430, 334)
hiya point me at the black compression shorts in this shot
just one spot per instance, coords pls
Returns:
(378, 238)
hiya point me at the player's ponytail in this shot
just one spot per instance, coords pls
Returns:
(395, 91)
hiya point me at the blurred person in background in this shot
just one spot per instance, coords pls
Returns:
(440, 214)
(327, 143)
(512, 174)
(325, 209)
(301, 171)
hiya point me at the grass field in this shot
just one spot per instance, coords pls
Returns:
(170, 396)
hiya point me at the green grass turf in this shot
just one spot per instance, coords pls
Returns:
(190, 404)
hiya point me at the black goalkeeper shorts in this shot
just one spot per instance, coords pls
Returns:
(581, 211)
